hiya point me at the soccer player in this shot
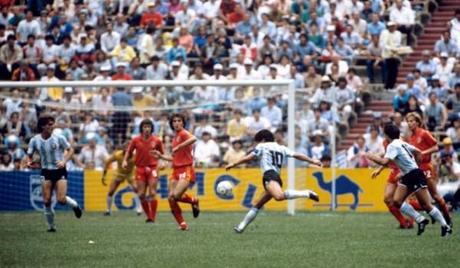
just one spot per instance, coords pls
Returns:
(54, 151)
(413, 179)
(119, 176)
(390, 188)
(183, 174)
(146, 166)
(272, 156)
(427, 144)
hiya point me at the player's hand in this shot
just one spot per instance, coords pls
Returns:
(155, 153)
(161, 165)
(175, 149)
(103, 181)
(317, 163)
(30, 164)
(229, 166)
(124, 165)
(60, 164)
(375, 173)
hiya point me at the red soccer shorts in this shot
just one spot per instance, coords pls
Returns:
(146, 174)
(429, 171)
(394, 176)
(183, 173)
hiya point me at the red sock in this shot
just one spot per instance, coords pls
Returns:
(444, 209)
(187, 199)
(146, 207)
(176, 211)
(397, 214)
(415, 204)
(153, 209)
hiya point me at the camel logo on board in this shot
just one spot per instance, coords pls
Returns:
(343, 185)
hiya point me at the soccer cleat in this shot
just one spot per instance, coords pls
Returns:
(51, 230)
(421, 226)
(238, 230)
(446, 230)
(183, 226)
(314, 196)
(77, 211)
(196, 208)
(107, 213)
(149, 221)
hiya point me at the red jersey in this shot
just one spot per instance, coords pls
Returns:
(182, 157)
(144, 148)
(422, 140)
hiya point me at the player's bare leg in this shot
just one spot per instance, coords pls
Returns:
(152, 190)
(181, 196)
(252, 213)
(400, 195)
(47, 189)
(136, 197)
(63, 199)
(175, 208)
(274, 188)
(389, 192)
(423, 197)
(112, 188)
(141, 189)
(432, 182)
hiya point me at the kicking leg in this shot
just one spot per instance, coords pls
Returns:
(47, 189)
(252, 213)
(181, 196)
(423, 197)
(432, 182)
(400, 195)
(63, 199)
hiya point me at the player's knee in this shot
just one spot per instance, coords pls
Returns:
(61, 200)
(388, 200)
(142, 196)
(397, 203)
(279, 197)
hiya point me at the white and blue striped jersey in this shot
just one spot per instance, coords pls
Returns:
(271, 155)
(51, 150)
(401, 153)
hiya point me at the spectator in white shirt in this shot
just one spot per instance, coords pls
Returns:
(374, 142)
(455, 27)
(109, 39)
(157, 70)
(405, 18)
(356, 154)
(256, 122)
(273, 113)
(93, 155)
(204, 126)
(207, 152)
(27, 27)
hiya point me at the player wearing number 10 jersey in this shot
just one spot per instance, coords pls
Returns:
(272, 156)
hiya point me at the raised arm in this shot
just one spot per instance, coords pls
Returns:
(305, 158)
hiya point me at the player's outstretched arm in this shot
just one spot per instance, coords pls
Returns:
(159, 155)
(243, 160)
(377, 159)
(305, 158)
(187, 142)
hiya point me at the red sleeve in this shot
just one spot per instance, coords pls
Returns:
(431, 141)
(185, 135)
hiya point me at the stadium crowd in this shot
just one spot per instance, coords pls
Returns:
(317, 43)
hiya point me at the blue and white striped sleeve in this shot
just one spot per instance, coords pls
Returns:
(31, 147)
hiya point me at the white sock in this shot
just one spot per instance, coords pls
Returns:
(109, 204)
(411, 212)
(71, 202)
(436, 214)
(250, 216)
(137, 201)
(293, 194)
(49, 213)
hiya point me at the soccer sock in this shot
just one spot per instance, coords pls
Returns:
(186, 198)
(49, 213)
(397, 214)
(176, 211)
(137, 201)
(153, 209)
(109, 204)
(415, 204)
(411, 212)
(293, 194)
(250, 216)
(145, 206)
(444, 209)
(71, 202)
(435, 213)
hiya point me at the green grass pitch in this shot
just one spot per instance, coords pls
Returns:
(273, 240)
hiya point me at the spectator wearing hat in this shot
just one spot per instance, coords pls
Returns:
(442, 93)
(207, 152)
(426, 66)
(448, 149)
(390, 40)
(121, 72)
(318, 148)
(234, 153)
(435, 113)
(249, 72)
(325, 92)
(141, 100)
(104, 73)
(69, 99)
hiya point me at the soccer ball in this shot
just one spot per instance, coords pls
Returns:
(225, 188)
